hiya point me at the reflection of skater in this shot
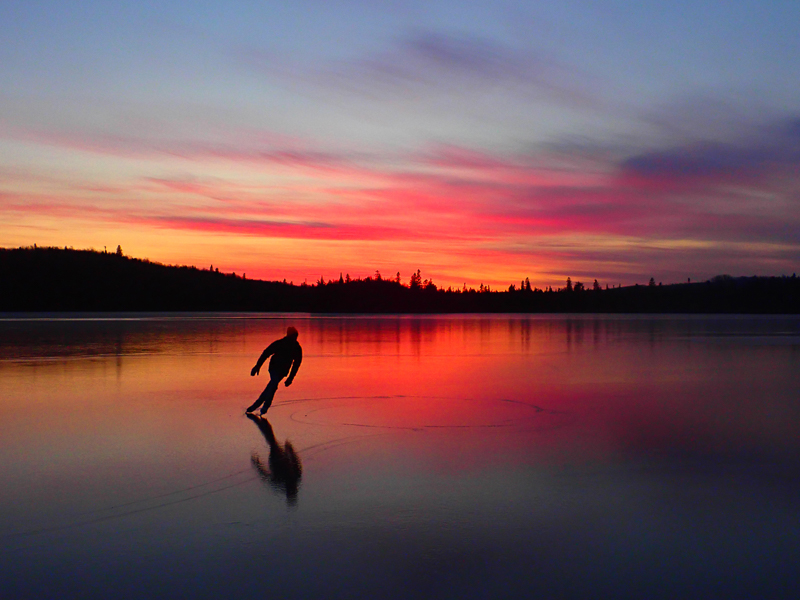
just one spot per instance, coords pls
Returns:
(286, 353)
(285, 470)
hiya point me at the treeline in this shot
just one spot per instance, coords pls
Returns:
(59, 279)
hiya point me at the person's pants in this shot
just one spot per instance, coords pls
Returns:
(266, 396)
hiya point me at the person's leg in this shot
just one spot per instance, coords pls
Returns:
(259, 401)
(266, 396)
(255, 404)
(269, 393)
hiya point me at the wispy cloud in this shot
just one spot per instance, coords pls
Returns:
(771, 149)
(255, 147)
(733, 201)
(427, 62)
(301, 230)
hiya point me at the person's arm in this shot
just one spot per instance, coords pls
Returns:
(268, 351)
(298, 358)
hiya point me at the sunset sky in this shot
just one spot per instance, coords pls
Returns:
(481, 142)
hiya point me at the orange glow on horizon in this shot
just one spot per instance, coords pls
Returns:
(459, 216)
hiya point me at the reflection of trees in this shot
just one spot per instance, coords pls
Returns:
(112, 337)
(283, 470)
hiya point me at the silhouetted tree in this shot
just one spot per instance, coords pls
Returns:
(652, 282)
(569, 284)
(596, 286)
(119, 251)
(48, 279)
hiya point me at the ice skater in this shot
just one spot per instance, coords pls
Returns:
(286, 354)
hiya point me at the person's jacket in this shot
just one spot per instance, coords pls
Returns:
(286, 354)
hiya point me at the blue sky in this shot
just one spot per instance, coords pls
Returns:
(481, 142)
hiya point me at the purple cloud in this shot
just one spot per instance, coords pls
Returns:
(770, 149)
(428, 62)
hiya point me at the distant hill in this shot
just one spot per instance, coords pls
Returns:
(56, 279)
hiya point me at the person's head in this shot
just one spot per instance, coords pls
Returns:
(291, 332)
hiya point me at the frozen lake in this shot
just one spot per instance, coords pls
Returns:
(458, 456)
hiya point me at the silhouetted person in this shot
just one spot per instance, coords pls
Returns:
(286, 354)
(285, 470)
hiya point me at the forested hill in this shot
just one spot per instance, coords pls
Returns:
(56, 279)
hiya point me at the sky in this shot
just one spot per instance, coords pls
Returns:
(480, 142)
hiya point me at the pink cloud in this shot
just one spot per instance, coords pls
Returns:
(444, 197)
(254, 147)
(301, 230)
